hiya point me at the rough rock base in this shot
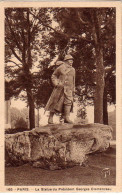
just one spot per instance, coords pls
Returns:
(57, 146)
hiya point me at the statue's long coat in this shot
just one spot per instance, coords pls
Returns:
(63, 80)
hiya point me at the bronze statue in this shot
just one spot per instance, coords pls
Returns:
(61, 99)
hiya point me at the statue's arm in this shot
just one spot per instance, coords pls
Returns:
(55, 77)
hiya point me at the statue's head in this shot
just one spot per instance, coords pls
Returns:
(68, 59)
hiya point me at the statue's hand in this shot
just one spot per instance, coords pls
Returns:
(60, 84)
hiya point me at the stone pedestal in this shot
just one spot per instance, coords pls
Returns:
(57, 146)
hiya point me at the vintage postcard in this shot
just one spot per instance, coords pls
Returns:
(61, 97)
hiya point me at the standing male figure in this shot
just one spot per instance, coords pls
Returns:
(61, 99)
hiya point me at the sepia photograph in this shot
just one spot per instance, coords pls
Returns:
(60, 108)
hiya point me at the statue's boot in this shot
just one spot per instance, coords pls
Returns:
(50, 119)
(67, 109)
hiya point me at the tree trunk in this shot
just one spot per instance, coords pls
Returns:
(99, 91)
(30, 84)
(32, 115)
(105, 111)
(31, 109)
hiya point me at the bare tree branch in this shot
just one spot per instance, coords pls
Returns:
(19, 65)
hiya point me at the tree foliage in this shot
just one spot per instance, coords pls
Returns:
(26, 48)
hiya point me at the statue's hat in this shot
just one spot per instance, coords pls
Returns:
(68, 57)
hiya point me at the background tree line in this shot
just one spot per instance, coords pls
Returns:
(35, 38)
